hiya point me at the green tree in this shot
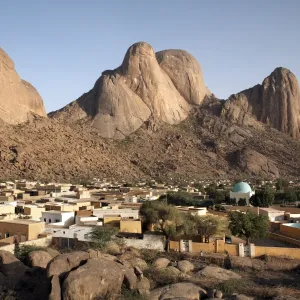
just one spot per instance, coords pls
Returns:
(206, 226)
(199, 187)
(248, 225)
(263, 198)
(281, 184)
(179, 198)
(165, 218)
(100, 236)
(290, 196)
(211, 190)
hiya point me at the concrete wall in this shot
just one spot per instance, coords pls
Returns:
(43, 242)
(231, 249)
(277, 251)
(124, 213)
(150, 241)
(7, 209)
(63, 218)
(73, 232)
(34, 212)
(283, 238)
(290, 230)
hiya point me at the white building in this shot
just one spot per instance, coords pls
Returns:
(73, 232)
(241, 190)
(59, 218)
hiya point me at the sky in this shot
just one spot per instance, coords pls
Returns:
(62, 46)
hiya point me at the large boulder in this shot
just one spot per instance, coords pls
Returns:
(178, 290)
(161, 263)
(55, 293)
(18, 98)
(64, 263)
(11, 269)
(275, 102)
(130, 279)
(97, 279)
(161, 86)
(135, 262)
(218, 273)
(185, 266)
(38, 258)
(98, 254)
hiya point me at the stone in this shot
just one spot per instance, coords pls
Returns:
(64, 263)
(55, 293)
(185, 266)
(143, 284)
(130, 279)
(38, 258)
(138, 272)
(113, 248)
(172, 271)
(218, 273)
(11, 268)
(218, 294)
(137, 262)
(276, 102)
(239, 297)
(19, 99)
(96, 279)
(178, 290)
(161, 263)
(96, 253)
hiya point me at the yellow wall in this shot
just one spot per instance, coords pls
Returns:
(132, 226)
(232, 249)
(205, 247)
(112, 221)
(34, 212)
(174, 245)
(283, 238)
(290, 231)
(277, 251)
(23, 231)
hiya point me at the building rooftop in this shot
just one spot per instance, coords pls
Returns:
(58, 212)
(242, 187)
(270, 209)
(21, 221)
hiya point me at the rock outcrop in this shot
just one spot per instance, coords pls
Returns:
(276, 102)
(144, 86)
(18, 98)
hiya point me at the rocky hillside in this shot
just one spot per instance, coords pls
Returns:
(18, 98)
(276, 102)
(154, 117)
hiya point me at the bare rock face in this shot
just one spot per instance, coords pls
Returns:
(144, 87)
(256, 164)
(276, 102)
(18, 98)
(185, 73)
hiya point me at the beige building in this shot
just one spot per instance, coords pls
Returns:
(131, 225)
(34, 211)
(6, 209)
(21, 230)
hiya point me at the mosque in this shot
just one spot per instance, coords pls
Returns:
(241, 190)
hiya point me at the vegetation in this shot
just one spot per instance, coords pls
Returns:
(101, 236)
(180, 198)
(165, 218)
(281, 184)
(232, 286)
(263, 198)
(248, 225)
(21, 252)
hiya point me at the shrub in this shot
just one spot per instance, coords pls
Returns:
(21, 252)
(161, 277)
(232, 286)
(100, 236)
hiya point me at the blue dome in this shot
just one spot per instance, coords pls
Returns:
(242, 187)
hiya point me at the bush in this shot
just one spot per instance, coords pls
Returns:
(161, 277)
(100, 236)
(21, 252)
(232, 286)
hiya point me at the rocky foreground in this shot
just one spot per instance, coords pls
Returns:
(132, 274)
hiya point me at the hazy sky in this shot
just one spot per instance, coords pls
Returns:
(62, 46)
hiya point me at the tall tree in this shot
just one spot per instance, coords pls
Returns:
(248, 225)
(263, 198)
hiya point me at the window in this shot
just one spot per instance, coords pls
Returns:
(45, 220)
(56, 220)
(49, 220)
(6, 235)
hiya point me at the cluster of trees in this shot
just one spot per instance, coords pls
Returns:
(168, 220)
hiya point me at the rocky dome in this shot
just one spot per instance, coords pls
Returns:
(242, 187)
(275, 102)
(18, 98)
(144, 86)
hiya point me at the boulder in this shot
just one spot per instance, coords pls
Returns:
(38, 258)
(172, 271)
(64, 263)
(18, 98)
(52, 252)
(130, 279)
(113, 248)
(143, 284)
(240, 297)
(97, 279)
(136, 262)
(218, 273)
(96, 253)
(178, 290)
(185, 266)
(11, 268)
(161, 263)
(55, 293)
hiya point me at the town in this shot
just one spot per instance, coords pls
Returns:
(66, 215)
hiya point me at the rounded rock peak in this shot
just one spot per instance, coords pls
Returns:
(176, 54)
(4, 57)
